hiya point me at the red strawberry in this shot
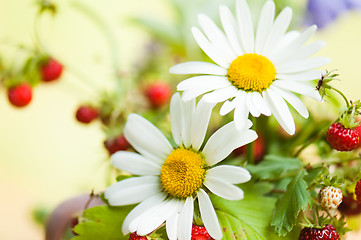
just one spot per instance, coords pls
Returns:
(200, 233)
(358, 130)
(358, 190)
(158, 94)
(116, 144)
(341, 138)
(326, 233)
(86, 114)
(350, 206)
(20, 95)
(51, 70)
(135, 236)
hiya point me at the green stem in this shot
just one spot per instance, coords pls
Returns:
(342, 95)
(110, 38)
(250, 146)
(338, 161)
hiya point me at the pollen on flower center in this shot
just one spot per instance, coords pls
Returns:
(182, 173)
(251, 72)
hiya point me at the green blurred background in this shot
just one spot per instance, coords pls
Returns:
(45, 155)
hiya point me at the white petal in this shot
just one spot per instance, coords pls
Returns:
(227, 107)
(278, 30)
(146, 138)
(283, 53)
(200, 81)
(200, 121)
(304, 76)
(299, 87)
(198, 68)
(208, 215)
(261, 104)
(264, 27)
(158, 217)
(223, 189)
(171, 226)
(280, 110)
(251, 105)
(230, 27)
(220, 95)
(132, 190)
(209, 49)
(302, 65)
(293, 100)
(188, 110)
(140, 209)
(231, 174)
(245, 26)
(185, 220)
(176, 118)
(134, 163)
(217, 37)
(241, 112)
(307, 50)
(225, 140)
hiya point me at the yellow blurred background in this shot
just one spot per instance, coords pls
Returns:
(45, 155)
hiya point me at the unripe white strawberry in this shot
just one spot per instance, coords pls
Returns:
(330, 197)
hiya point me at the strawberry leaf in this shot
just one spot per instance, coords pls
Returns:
(275, 167)
(249, 218)
(295, 199)
(102, 222)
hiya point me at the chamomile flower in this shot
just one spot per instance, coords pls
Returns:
(171, 179)
(257, 68)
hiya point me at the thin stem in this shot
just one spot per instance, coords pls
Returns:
(342, 95)
(250, 146)
(338, 161)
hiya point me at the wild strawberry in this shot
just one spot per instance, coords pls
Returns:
(330, 197)
(358, 190)
(350, 206)
(341, 138)
(116, 144)
(20, 95)
(358, 130)
(326, 233)
(135, 236)
(259, 149)
(158, 94)
(200, 233)
(86, 114)
(51, 70)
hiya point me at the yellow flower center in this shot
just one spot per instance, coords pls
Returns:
(182, 173)
(251, 72)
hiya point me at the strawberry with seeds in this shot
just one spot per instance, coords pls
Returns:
(326, 233)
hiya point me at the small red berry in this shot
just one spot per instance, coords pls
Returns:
(358, 130)
(341, 138)
(73, 223)
(135, 236)
(358, 190)
(86, 114)
(116, 144)
(20, 95)
(51, 70)
(350, 206)
(200, 233)
(326, 233)
(158, 94)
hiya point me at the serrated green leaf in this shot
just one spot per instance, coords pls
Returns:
(249, 218)
(295, 199)
(275, 167)
(102, 222)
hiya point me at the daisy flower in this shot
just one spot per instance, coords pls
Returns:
(256, 69)
(171, 179)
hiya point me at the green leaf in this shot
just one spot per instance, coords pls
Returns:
(295, 199)
(102, 222)
(249, 218)
(275, 167)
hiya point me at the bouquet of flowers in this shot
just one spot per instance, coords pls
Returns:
(236, 154)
